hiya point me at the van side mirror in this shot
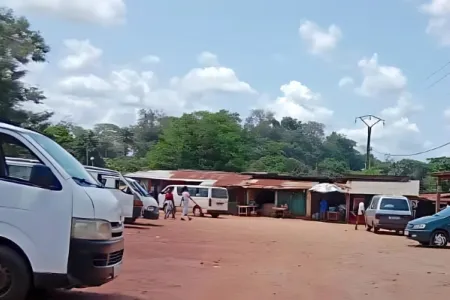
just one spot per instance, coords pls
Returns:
(42, 176)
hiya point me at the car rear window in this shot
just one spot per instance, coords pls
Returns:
(394, 204)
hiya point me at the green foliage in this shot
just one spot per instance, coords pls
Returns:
(19, 45)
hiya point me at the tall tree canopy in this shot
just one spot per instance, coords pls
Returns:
(19, 45)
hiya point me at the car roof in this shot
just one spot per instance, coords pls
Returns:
(400, 197)
(197, 186)
(14, 128)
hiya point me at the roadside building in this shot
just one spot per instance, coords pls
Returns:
(264, 191)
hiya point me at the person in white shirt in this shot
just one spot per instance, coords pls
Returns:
(185, 199)
(360, 214)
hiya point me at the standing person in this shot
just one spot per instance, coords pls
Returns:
(170, 204)
(360, 214)
(185, 199)
(323, 209)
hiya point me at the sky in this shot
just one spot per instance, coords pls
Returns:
(323, 60)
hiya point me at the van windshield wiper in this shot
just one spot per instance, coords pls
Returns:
(84, 181)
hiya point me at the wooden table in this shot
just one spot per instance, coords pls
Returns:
(333, 216)
(246, 210)
(280, 210)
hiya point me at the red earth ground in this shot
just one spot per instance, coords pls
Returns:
(262, 258)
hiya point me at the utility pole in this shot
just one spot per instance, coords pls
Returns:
(369, 133)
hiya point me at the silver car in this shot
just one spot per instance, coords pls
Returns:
(388, 212)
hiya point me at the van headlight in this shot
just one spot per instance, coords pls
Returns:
(419, 226)
(89, 229)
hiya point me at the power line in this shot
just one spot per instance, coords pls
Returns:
(439, 80)
(438, 70)
(417, 153)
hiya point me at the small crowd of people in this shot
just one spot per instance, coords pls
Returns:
(169, 204)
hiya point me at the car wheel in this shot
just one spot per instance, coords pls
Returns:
(215, 216)
(130, 220)
(368, 228)
(15, 277)
(198, 212)
(375, 229)
(439, 239)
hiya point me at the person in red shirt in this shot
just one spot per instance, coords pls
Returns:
(170, 208)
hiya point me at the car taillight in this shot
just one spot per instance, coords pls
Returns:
(137, 201)
(377, 216)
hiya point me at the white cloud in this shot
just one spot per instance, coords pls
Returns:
(447, 113)
(344, 81)
(403, 107)
(208, 59)
(379, 80)
(102, 12)
(82, 54)
(398, 135)
(298, 101)
(90, 98)
(320, 40)
(211, 79)
(90, 85)
(438, 12)
(151, 59)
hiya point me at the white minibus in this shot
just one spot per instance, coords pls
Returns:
(58, 227)
(210, 200)
(135, 201)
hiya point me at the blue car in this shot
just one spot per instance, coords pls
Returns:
(430, 230)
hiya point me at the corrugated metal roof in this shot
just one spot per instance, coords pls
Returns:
(445, 197)
(276, 184)
(216, 178)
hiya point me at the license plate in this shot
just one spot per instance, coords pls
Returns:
(406, 232)
(116, 270)
(394, 218)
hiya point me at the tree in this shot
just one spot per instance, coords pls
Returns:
(146, 132)
(60, 134)
(332, 167)
(201, 140)
(19, 45)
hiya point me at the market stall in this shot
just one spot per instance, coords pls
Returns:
(328, 203)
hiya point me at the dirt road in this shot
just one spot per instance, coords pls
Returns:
(260, 258)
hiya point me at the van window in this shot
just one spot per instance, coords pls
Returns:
(194, 191)
(219, 193)
(13, 148)
(374, 203)
(394, 204)
(198, 192)
(63, 158)
(21, 172)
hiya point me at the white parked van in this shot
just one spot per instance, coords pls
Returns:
(59, 228)
(136, 202)
(210, 200)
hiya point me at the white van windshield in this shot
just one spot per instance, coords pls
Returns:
(69, 163)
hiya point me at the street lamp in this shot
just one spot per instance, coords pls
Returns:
(92, 160)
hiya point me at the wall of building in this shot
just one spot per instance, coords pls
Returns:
(410, 188)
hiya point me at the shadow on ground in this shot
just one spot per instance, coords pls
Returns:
(75, 295)
(147, 225)
(136, 227)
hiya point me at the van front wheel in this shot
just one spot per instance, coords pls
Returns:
(215, 216)
(15, 279)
